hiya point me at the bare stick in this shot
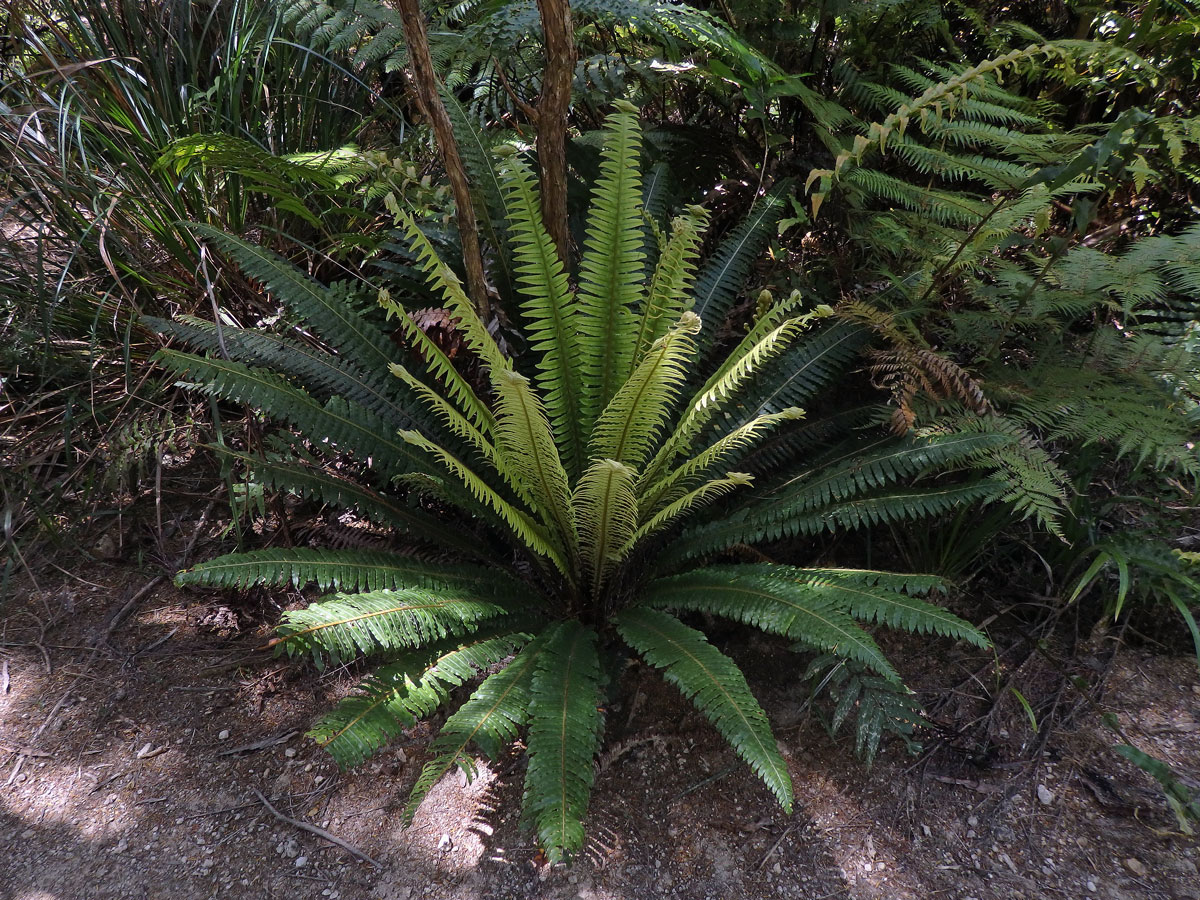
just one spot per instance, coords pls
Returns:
(774, 847)
(5, 684)
(313, 829)
(262, 744)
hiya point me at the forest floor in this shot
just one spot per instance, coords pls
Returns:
(134, 762)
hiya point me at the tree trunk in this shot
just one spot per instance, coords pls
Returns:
(425, 86)
(552, 108)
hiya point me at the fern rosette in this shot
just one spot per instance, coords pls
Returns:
(585, 498)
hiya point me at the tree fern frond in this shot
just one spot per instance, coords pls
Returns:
(610, 268)
(605, 516)
(401, 692)
(802, 610)
(547, 307)
(714, 684)
(564, 735)
(627, 429)
(490, 719)
(371, 622)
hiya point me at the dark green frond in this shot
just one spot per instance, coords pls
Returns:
(802, 609)
(564, 730)
(353, 429)
(713, 682)
(722, 275)
(322, 308)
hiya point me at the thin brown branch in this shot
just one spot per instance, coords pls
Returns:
(425, 89)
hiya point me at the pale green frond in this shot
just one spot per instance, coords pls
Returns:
(402, 692)
(441, 276)
(690, 501)
(797, 610)
(526, 443)
(630, 423)
(563, 737)
(346, 625)
(605, 516)
(610, 268)
(349, 571)
(719, 390)
(713, 682)
(668, 298)
(439, 366)
(490, 719)
(529, 532)
(451, 417)
(547, 307)
(669, 488)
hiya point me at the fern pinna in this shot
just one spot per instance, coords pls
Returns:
(591, 496)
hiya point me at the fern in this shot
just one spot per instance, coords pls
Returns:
(582, 486)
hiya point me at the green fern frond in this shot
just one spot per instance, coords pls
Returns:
(802, 609)
(547, 308)
(686, 504)
(610, 268)
(605, 516)
(490, 719)
(870, 596)
(563, 737)
(719, 390)
(517, 521)
(347, 571)
(439, 365)
(722, 275)
(713, 682)
(317, 371)
(352, 428)
(399, 693)
(668, 488)
(321, 307)
(669, 286)
(442, 278)
(530, 457)
(384, 621)
(627, 429)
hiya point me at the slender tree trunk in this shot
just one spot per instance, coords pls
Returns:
(552, 108)
(426, 91)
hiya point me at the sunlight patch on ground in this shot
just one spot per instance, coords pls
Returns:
(450, 827)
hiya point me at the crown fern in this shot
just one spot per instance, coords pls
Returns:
(605, 480)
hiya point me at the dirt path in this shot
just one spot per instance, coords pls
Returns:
(136, 787)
